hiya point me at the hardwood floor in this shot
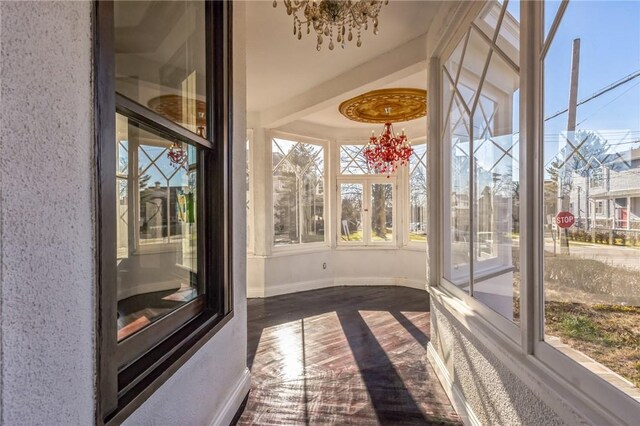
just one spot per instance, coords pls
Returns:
(344, 355)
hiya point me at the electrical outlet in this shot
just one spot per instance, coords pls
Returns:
(324, 265)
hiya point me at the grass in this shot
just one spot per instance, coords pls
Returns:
(610, 334)
(414, 236)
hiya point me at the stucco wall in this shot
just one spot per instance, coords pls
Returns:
(46, 208)
(494, 393)
(47, 279)
(198, 393)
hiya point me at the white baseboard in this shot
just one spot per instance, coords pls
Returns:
(253, 293)
(287, 288)
(456, 397)
(231, 405)
(296, 287)
(377, 281)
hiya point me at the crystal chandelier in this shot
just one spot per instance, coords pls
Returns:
(325, 16)
(385, 152)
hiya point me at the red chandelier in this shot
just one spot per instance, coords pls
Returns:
(386, 152)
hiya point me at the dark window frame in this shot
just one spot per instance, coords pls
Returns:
(128, 372)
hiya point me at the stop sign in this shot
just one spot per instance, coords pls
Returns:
(565, 219)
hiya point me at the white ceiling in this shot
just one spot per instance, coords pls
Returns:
(279, 66)
(331, 116)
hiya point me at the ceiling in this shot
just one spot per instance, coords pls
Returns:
(281, 67)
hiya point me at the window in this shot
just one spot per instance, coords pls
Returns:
(367, 211)
(418, 194)
(298, 192)
(353, 161)
(249, 191)
(366, 201)
(591, 294)
(161, 70)
(599, 207)
(481, 209)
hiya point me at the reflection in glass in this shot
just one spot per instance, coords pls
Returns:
(496, 278)
(351, 196)
(418, 193)
(381, 212)
(160, 58)
(592, 174)
(457, 196)
(156, 226)
(298, 192)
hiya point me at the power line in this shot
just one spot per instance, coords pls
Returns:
(599, 93)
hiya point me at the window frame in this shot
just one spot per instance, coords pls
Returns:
(367, 181)
(128, 372)
(283, 248)
(528, 353)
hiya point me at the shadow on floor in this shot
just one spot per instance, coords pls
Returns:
(344, 355)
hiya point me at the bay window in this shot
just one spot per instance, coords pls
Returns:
(481, 86)
(511, 167)
(163, 185)
(591, 270)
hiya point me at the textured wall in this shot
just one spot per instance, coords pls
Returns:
(196, 393)
(46, 208)
(494, 393)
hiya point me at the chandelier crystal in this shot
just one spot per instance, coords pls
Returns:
(329, 17)
(386, 152)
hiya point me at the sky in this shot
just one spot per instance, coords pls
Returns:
(609, 33)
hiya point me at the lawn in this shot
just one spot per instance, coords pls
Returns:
(610, 334)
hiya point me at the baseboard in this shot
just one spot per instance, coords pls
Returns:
(296, 287)
(456, 397)
(381, 281)
(287, 288)
(254, 293)
(237, 395)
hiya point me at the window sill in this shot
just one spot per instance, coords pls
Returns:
(552, 388)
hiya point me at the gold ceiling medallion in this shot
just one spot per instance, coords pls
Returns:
(386, 106)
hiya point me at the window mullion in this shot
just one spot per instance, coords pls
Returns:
(531, 176)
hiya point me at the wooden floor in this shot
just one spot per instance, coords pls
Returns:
(344, 355)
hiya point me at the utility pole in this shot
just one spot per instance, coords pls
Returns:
(571, 128)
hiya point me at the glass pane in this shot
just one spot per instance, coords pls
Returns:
(550, 11)
(418, 194)
(496, 178)
(473, 64)
(456, 208)
(487, 20)
(353, 161)
(381, 212)
(160, 58)
(508, 40)
(156, 229)
(452, 65)
(298, 192)
(351, 196)
(592, 190)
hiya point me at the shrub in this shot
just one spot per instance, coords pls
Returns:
(593, 276)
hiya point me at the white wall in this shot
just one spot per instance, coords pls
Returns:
(292, 272)
(47, 276)
(46, 207)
